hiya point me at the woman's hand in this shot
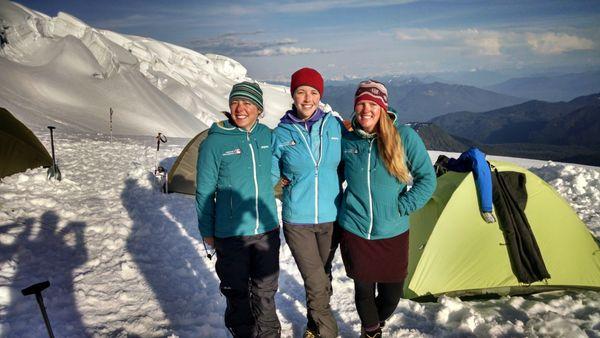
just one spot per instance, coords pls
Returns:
(210, 241)
(285, 181)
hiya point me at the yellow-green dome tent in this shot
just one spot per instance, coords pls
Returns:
(453, 251)
(19, 148)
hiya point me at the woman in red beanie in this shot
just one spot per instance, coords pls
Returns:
(306, 154)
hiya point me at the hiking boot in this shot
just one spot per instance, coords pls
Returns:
(371, 334)
(308, 333)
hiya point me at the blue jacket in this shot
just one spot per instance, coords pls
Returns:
(376, 205)
(474, 160)
(310, 161)
(234, 194)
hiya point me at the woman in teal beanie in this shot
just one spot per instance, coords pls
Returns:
(237, 214)
(380, 158)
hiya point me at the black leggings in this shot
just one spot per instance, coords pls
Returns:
(373, 310)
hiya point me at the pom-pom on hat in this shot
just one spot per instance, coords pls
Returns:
(307, 77)
(373, 91)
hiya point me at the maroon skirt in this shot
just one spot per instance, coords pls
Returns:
(379, 260)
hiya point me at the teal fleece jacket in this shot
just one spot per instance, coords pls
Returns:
(376, 205)
(310, 161)
(234, 194)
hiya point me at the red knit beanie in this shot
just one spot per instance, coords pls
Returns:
(307, 77)
(373, 91)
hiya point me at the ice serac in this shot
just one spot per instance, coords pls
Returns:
(228, 67)
(61, 70)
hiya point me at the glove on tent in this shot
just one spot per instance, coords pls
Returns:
(19, 148)
(454, 252)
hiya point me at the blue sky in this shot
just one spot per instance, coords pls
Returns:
(362, 38)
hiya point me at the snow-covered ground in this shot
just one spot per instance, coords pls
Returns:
(125, 260)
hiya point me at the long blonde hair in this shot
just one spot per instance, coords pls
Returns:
(391, 148)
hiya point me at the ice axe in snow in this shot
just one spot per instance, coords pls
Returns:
(36, 289)
(53, 171)
(160, 173)
(160, 138)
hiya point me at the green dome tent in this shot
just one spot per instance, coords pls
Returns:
(19, 148)
(182, 176)
(454, 252)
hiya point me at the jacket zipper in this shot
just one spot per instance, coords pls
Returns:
(369, 188)
(315, 163)
(255, 182)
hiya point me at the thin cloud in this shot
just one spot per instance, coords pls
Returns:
(320, 6)
(480, 42)
(284, 51)
(491, 42)
(134, 20)
(231, 44)
(300, 7)
(557, 43)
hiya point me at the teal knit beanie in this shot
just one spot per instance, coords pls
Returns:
(248, 91)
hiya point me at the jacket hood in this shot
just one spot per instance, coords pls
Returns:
(290, 116)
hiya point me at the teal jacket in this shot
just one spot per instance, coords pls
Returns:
(234, 194)
(310, 161)
(376, 205)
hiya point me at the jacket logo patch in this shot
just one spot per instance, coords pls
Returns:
(335, 138)
(351, 151)
(233, 152)
(291, 144)
(264, 147)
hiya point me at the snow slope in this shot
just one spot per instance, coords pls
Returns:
(59, 70)
(125, 260)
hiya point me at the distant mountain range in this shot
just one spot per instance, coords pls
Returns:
(418, 101)
(562, 131)
(435, 138)
(551, 88)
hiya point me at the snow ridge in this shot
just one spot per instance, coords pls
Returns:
(62, 70)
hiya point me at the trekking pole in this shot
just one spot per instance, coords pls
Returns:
(159, 138)
(111, 114)
(166, 187)
(37, 290)
(53, 172)
(208, 253)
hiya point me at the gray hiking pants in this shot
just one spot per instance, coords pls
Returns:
(310, 245)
